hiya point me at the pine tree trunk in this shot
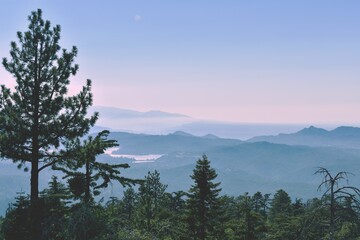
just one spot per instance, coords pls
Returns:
(202, 218)
(34, 184)
(34, 181)
(34, 199)
(87, 181)
(332, 211)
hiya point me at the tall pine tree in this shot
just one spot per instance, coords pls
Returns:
(203, 202)
(38, 118)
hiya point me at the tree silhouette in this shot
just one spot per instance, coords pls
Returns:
(203, 202)
(96, 175)
(335, 193)
(38, 118)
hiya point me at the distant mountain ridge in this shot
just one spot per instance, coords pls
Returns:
(135, 121)
(160, 122)
(241, 166)
(343, 137)
(126, 113)
(164, 144)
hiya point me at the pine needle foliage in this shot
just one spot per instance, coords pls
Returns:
(87, 175)
(204, 201)
(38, 118)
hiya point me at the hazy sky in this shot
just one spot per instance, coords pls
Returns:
(241, 61)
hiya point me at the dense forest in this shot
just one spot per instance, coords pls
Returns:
(147, 211)
(41, 127)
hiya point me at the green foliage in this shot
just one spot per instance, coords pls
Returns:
(251, 220)
(149, 213)
(55, 210)
(280, 205)
(283, 223)
(243, 219)
(133, 235)
(152, 213)
(77, 184)
(261, 203)
(17, 223)
(97, 175)
(129, 205)
(52, 214)
(151, 197)
(1, 230)
(203, 203)
(121, 214)
(335, 195)
(38, 119)
(86, 222)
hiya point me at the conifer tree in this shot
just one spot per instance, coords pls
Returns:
(252, 221)
(151, 195)
(17, 223)
(39, 118)
(128, 207)
(96, 175)
(281, 204)
(55, 209)
(203, 202)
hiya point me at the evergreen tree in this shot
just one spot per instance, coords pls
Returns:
(86, 185)
(243, 218)
(16, 224)
(120, 213)
(151, 196)
(261, 203)
(129, 202)
(203, 202)
(125, 210)
(284, 221)
(280, 205)
(56, 194)
(55, 210)
(176, 215)
(253, 224)
(87, 222)
(38, 118)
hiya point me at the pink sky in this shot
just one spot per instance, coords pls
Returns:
(241, 61)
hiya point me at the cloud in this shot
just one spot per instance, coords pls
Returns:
(137, 18)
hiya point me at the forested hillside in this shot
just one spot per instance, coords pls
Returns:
(147, 210)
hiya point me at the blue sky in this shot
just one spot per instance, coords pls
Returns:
(240, 61)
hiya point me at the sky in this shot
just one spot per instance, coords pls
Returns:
(255, 61)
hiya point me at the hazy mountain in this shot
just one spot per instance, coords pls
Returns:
(115, 113)
(135, 121)
(159, 122)
(241, 131)
(211, 136)
(164, 144)
(241, 166)
(182, 133)
(344, 137)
